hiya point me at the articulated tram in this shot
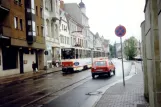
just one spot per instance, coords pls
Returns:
(77, 59)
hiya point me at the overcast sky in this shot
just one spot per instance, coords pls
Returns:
(105, 15)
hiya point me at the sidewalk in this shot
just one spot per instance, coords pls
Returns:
(20, 77)
(130, 96)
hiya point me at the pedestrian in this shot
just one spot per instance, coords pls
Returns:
(34, 66)
(54, 62)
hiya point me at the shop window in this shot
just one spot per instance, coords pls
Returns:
(9, 60)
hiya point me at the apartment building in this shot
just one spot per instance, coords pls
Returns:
(52, 27)
(21, 36)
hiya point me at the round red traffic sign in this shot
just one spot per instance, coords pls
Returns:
(120, 31)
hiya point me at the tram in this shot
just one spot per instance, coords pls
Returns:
(77, 59)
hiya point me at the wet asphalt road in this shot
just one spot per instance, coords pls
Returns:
(60, 90)
(78, 96)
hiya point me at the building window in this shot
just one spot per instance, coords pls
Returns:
(71, 41)
(33, 4)
(37, 32)
(16, 22)
(65, 40)
(78, 40)
(41, 12)
(18, 2)
(42, 30)
(36, 11)
(68, 40)
(33, 26)
(62, 26)
(60, 39)
(21, 25)
(29, 22)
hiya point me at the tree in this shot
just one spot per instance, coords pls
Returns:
(112, 51)
(130, 48)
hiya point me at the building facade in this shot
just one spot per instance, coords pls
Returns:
(151, 42)
(78, 13)
(75, 30)
(90, 39)
(52, 27)
(65, 38)
(21, 36)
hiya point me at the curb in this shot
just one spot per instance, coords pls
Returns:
(21, 80)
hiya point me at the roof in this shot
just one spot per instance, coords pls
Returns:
(69, 16)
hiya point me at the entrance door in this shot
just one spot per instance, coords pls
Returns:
(21, 61)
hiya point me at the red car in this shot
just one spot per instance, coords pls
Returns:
(100, 67)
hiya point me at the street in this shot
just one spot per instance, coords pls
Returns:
(57, 89)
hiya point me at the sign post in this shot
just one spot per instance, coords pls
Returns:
(120, 31)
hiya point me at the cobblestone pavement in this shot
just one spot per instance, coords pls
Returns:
(129, 96)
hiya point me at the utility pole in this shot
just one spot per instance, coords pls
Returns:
(122, 62)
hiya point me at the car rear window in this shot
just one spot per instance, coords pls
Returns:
(100, 63)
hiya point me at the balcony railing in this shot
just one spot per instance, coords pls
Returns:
(5, 4)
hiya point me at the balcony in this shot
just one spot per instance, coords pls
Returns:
(5, 5)
(5, 31)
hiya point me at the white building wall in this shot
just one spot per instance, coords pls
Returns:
(65, 38)
(52, 31)
(29, 58)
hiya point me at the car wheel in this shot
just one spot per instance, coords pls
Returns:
(114, 71)
(93, 76)
(109, 74)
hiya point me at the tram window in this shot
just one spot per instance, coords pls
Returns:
(86, 54)
(89, 54)
(83, 54)
(76, 54)
(80, 53)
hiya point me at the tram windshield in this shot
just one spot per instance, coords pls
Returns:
(68, 53)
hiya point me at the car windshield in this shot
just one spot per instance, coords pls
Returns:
(100, 63)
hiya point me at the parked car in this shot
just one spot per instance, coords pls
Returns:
(101, 67)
